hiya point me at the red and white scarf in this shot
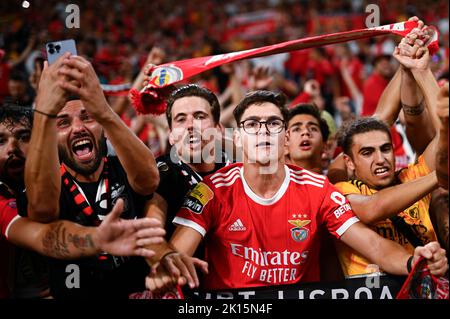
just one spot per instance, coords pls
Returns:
(151, 99)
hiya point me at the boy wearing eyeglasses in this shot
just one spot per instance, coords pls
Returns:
(261, 220)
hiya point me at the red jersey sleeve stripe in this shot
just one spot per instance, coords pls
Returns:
(189, 223)
(349, 222)
(9, 225)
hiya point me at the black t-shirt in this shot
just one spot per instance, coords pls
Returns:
(90, 190)
(176, 180)
(103, 276)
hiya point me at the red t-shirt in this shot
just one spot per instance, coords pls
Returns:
(8, 214)
(373, 88)
(320, 70)
(303, 97)
(4, 78)
(355, 68)
(251, 241)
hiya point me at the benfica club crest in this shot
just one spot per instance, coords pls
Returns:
(299, 233)
(165, 75)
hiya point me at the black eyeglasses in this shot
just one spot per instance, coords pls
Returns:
(252, 126)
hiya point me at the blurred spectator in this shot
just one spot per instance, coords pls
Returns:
(344, 57)
(376, 83)
(19, 89)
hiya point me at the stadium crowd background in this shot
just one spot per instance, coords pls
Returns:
(121, 37)
(118, 36)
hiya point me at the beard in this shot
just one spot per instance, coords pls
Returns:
(15, 180)
(67, 158)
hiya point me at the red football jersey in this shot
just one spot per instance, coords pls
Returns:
(8, 214)
(252, 241)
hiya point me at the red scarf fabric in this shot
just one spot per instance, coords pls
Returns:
(421, 284)
(151, 99)
(79, 197)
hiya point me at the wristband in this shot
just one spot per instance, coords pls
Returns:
(409, 264)
(52, 116)
(170, 252)
(414, 110)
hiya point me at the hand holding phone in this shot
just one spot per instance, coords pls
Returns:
(57, 48)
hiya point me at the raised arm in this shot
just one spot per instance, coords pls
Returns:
(67, 240)
(155, 57)
(417, 118)
(42, 176)
(389, 255)
(236, 92)
(419, 128)
(25, 53)
(354, 91)
(388, 106)
(390, 201)
(402, 89)
(430, 89)
(135, 157)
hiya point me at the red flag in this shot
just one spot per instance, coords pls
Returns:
(421, 284)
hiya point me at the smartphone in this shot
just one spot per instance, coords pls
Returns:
(57, 48)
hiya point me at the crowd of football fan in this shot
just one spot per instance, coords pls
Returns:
(337, 166)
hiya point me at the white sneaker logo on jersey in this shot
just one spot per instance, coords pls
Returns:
(237, 226)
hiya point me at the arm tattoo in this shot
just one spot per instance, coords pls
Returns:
(81, 242)
(56, 242)
(413, 110)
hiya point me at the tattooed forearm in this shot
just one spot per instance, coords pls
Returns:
(54, 241)
(60, 243)
(413, 110)
(81, 242)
